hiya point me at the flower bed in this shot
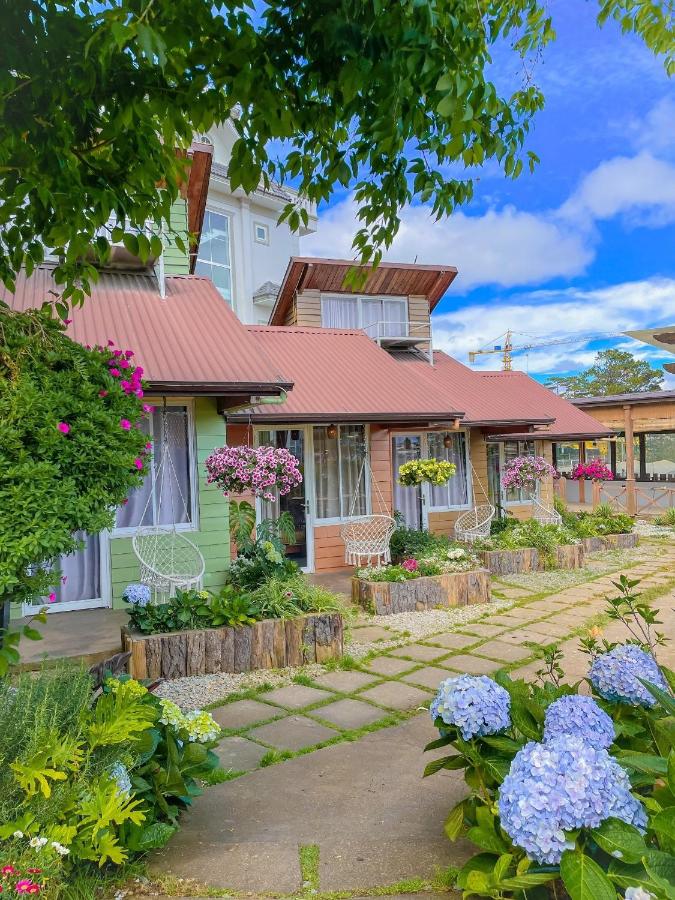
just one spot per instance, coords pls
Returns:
(529, 559)
(426, 592)
(267, 644)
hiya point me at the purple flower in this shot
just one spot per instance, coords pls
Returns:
(615, 675)
(579, 717)
(475, 704)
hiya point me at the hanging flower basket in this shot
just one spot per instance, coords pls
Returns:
(592, 471)
(526, 472)
(261, 471)
(436, 471)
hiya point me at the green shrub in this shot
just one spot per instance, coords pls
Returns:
(667, 519)
(279, 598)
(98, 777)
(410, 543)
(530, 533)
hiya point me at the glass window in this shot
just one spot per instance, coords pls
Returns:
(621, 457)
(456, 491)
(339, 473)
(660, 456)
(597, 450)
(566, 456)
(164, 498)
(407, 500)
(262, 233)
(213, 258)
(377, 316)
(513, 449)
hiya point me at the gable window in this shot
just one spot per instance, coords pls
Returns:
(213, 256)
(339, 473)
(261, 233)
(166, 498)
(379, 317)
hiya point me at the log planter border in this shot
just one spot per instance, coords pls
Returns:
(268, 644)
(527, 559)
(610, 542)
(427, 592)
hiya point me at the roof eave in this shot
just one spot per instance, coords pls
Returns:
(548, 436)
(221, 389)
(278, 415)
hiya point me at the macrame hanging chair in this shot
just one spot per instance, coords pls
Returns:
(168, 559)
(542, 513)
(367, 538)
(474, 525)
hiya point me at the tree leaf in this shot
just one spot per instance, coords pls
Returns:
(583, 878)
(620, 840)
(455, 821)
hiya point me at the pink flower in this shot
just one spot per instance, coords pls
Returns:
(63, 427)
(103, 393)
(26, 886)
(115, 373)
(148, 446)
(52, 597)
(125, 424)
(138, 463)
(128, 353)
(410, 565)
(9, 870)
(147, 408)
(67, 321)
(123, 364)
(111, 343)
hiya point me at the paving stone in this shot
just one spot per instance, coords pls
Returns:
(293, 733)
(522, 612)
(243, 713)
(512, 593)
(349, 714)
(429, 676)
(239, 754)
(452, 641)
(474, 665)
(396, 695)
(548, 629)
(387, 665)
(295, 696)
(484, 629)
(371, 633)
(419, 652)
(527, 636)
(501, 650)
(504, 621)
(344, 681)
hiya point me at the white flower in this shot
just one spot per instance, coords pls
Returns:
(18, 834)
(60, 849)
(38, 842)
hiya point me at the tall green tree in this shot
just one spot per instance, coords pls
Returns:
(382, 95)
(613, 372)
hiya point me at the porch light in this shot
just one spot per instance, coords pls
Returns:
(295, 434)
(447, 441)
(332, 432)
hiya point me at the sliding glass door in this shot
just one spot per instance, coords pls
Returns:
(84, 581)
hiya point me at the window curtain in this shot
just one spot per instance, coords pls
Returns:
(326, 474)
(171, 501)
(396, 318)
(352, 471)
(372, 319)
(455, 492)
(339, 312)
(407, 500)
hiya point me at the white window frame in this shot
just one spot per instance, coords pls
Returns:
(226, 214)
(193, 524)
(266, 233)
(338, 520)
(360, 300)
(502, 466)
(425, 488)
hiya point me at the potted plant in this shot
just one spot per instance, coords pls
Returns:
(435, 471)
(595, 471)
(257, 470)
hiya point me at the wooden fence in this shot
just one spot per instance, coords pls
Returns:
(643, 498)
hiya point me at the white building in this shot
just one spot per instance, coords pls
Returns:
(242, 248)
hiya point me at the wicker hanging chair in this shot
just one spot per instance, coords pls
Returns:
(544, 514)
(168, 560)
(366, 538)
(475, 524)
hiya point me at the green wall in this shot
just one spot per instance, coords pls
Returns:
(175, 261)
(213, 537)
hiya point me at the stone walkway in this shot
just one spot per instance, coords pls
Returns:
(335, 763)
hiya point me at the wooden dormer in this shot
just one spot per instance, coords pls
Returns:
(393, 305)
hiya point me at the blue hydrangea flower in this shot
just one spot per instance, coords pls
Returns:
(637, 893)
(120, 775)
(580, 716)
(560, 786)
(615, 675)
(137, 594)
(477, 705)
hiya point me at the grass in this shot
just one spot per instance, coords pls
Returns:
(309, 868)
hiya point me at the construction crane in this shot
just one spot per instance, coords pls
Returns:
(507, 349)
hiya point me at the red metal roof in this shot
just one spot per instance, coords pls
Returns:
(344, 375)
(190, 340)
(508, 398)
(306, 273)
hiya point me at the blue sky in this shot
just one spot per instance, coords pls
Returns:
(586, 245)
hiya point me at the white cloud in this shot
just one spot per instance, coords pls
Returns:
(543, 316)
(621, 185)
(509, 247)
(656, 132)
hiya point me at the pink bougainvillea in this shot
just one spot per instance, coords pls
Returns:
(595, 470)
(242, 470)
(526, 472)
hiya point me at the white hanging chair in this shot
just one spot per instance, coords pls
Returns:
(544, 514)
(367, 538)
(474, 525)
(168, 559)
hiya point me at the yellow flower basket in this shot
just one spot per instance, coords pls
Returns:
(436, 471)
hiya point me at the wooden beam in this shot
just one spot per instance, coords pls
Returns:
(631, 506)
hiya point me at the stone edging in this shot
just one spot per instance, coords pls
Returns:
(527, 559)
(268, 644)
(610, 542)
(427, 592)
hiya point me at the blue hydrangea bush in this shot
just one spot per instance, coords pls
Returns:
(569, 794)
